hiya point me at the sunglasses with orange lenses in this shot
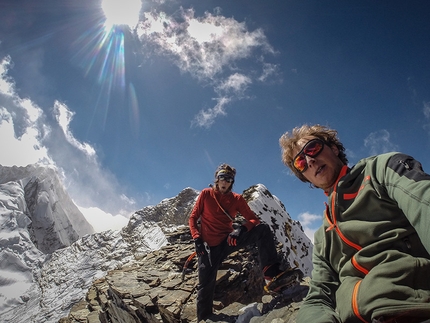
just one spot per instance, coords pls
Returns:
(312, 149)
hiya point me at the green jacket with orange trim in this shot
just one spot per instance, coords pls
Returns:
(371, 256)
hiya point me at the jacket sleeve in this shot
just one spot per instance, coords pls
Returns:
(319, 305)
(195, 216)
(408, 185)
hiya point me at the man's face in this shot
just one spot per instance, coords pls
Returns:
(323, 170)
(223, 185)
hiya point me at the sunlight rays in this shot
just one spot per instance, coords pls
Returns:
(100, 52)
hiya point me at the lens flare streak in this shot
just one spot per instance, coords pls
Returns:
(102, 50)
(101, 53)
(113, 65)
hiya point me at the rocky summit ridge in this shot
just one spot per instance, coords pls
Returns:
(53, 267)
(161, 286)
(159, 289)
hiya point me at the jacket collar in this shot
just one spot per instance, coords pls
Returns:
(342, 173)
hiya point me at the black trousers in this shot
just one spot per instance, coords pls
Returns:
(260, 234)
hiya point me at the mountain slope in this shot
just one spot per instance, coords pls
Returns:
(37, 217)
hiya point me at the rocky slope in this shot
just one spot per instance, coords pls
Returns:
(158, 288)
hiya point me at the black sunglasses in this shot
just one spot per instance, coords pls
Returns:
(226, 178)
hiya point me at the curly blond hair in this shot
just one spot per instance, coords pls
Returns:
(289, 140)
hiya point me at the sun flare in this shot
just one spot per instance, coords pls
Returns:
(121, 12)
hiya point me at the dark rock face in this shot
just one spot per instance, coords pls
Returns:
(153, 290)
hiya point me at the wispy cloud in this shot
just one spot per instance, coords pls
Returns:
(21, 125)
(235, 83)
(205, 118)
(23, 150)
(28, 136)
(232, 88)
(379, 142)
(64, 116)
(268, 70)
(426, 111)
(211, 49)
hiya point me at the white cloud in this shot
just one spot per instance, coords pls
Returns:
(306, 219)
(6, 86)
(20, 151)
(28, 136)
(210, 48)
(19, 132)
(64, 116)
(205, 118)
(268, 70)
(232, 88)
(103, 221)
(202, 46)
(235, 83)
(204, 31)
(379, 142)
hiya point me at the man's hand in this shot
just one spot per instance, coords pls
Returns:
(200, 247)
(235, 234)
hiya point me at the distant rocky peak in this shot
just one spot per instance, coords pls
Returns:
(55, 221)
(172, 211)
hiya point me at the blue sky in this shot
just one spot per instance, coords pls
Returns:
(131, 115)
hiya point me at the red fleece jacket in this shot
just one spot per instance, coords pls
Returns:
(215, 226)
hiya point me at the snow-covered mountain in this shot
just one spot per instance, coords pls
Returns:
(56, 222)
(49, 255)
(37, 217)
(296, 246)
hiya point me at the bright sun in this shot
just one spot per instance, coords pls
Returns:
(121, 12)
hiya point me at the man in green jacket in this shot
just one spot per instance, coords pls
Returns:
(371, 258)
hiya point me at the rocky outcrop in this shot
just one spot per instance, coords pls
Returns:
(169, 212)
(160, 289)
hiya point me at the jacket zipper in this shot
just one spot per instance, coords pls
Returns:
(333, 225)
(355, 301)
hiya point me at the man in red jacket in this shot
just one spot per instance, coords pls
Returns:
(215, 238)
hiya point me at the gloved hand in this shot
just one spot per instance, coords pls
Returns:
(200, 247)
(235, 234)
